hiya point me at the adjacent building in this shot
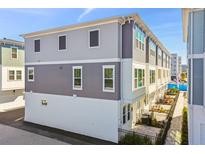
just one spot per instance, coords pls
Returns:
(175, 67)
(11, 70)
(96, 77)
(194, 34)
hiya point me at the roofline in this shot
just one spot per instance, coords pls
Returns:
(118, 19)
(12, 42)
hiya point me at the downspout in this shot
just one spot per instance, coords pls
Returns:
(121, 72)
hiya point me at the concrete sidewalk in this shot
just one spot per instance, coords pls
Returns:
(174, 133)
(17, 104)
(14, 136)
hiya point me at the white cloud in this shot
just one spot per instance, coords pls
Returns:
(85, 12)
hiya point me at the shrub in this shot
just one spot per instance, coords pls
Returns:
(184, 135)
(133, 139)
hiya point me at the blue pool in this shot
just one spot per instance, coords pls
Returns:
(181, 87)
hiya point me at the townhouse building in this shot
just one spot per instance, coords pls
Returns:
(94, 78)
(11, 71)
(194, 32)
(175, 66)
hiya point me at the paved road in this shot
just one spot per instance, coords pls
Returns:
(13, 130)
(174, 133)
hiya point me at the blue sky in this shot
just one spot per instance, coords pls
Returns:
(166, 24)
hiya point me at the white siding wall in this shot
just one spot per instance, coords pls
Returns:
(11, 85)
(92, 117)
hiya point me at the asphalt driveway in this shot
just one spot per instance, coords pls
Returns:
(13, 130)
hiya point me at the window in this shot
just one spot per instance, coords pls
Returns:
(30, 74)
(94, 38)
(77, 77)
(62, 42)
(152, 48)
(159, 74)
(14, 53)
(124, 115)
(128, 112)
(152, 76)
(11, 75)
(139, 78)
(37, 45)
(159, 53)
(108, 78)
(18, 75)
(140, 38)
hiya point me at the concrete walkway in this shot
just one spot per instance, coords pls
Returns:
(174, 133)
(14, 136)
(17, 104)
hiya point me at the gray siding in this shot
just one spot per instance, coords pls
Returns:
(57, 79)
(77, 45)
(198, 32)
(147, 50)
(198, 82)
(127, 40)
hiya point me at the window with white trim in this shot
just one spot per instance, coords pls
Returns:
(14, 53)
(94, 38)
(77, 77)
(62, 42)
(152, 46)
(37, 45)
(152, 76)
(30, 73)
(124, 115)
(128, 112)
(140, 38)
(18, 75)
(11, 75)
(139, 78)
(109, 78)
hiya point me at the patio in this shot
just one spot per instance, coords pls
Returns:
(143, 129)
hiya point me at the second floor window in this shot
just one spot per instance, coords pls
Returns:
(108, 78)
(94, 38)
(30, 74)
(14, 53)
(62, 42)
(152, 76)
(139, 78)
(77, 77)
(37, 45)
(11, 75)
(19, 75)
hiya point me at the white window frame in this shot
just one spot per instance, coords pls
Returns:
(81, 77)
(135, 78)
(9, 75)
(124, 114)
(143, 78)
(98, 38)
(65, 42)
(16, 75)
(128, 112)
(16, 52)
(34, 45)
(31, 68)
(113, 78)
